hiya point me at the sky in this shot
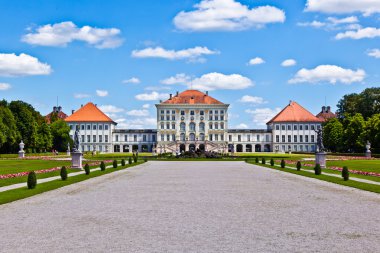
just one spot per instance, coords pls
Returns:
(127, 55)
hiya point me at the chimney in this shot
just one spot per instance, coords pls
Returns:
(323, 108)
(59, 108)
(170, 98)
(177, 93)
(72, 111)
(54, 109)
(206, 93)
(81, 105)
(160, 101)
(96, 105)
(328, 108)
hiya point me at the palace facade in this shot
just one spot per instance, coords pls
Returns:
(193, 120)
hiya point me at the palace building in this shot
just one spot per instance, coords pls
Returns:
(193, 120)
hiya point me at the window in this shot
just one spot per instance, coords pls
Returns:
(239, 137)
(82, 138)
(283, 138)
(173, 137)
(295, 138)
(267, 138)
(318, 127)
(88, 127)
(162, 117)
(182, 113)
(257, 137)
(182, 126)
(289, 127)
(216, 137)
(162, 111)
(277, 127)
(202, 137)
(282, 127)
(222, 125)
(82, 127)
(216, 112)
(210, 137)
(289, 138)
(167, 126)
(306, 127)
(222, 137)
(116, 137)
(135, 138)
(312, 127)
(167, 117)
(312, 138)
(105, 138)
(192, 113)
(168, 137)
(248, 137)
(216, 118)
(173, 125)
(192, 126)
(277, 138)
(94, 127)
(153, 138)
(88, 138)
(221, 112)
(100, 127)
(167, 112)
(300, 127)
(202, 113)
(306, 138)
(162, 125)
(100, 138)
(94, 138)
(216, 126)
(295, 127)
(301, 138)
(210, 112)
(210, 117)
(173, 111)
(105, 127)
(201, 126)
(210, 126)
(125, 137)
(144, 137)
(182, 136)
(162, 137)
(173, 117)
(229, 137)
(221, 117)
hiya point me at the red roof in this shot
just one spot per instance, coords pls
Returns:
(326, 113)
(60, 115)
(89, 113)
(293, 112)
(192, 97)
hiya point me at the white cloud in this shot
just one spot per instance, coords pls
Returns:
(256, 61)
(261, 116)
(374, 53)
(22, 65)
(102, 93)
(81, 95)
(227, 15)
(146, 106)
(157, 88)
(138, 123)
(328, 73)
(252, 100)
(314, 23)
(192, 54)
(367, 7)
(288, 63)
(110, 109)
(61, 34)
(133, 80)
(346, 20)
(218, 81)
(242, 126)
(152, 96)
(177, 79)
(5, 86)
(368, 32)
(138, 113)
(333, 23)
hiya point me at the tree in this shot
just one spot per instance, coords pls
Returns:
(353, 133)
(333, 135)
(347, 105)
(45, 139)
(9, 135)
(372, 131)
(60, 132)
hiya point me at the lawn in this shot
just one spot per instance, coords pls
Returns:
(18, 165)
(363, 165)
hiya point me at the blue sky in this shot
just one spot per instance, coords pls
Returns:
(126, 55)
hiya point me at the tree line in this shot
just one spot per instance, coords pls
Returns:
(20, 121)
(358, 121)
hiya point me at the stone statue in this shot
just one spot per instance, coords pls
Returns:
(368, 146)
(320, 147)
(76, 140)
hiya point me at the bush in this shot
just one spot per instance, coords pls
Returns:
(114, 164)
(32, 180)
(122, 162)
(87, 169)
(345, 173)
(102, 166)
(130, 160)
(271, 162)
(317, 169)
(299, 166)
(282, 163)
(263, 160)
(135, 158)
(63, 173)
(257, 160)
(145, 160)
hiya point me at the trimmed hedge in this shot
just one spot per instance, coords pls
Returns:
(263, 160)
(282, 163)
(345, 173)
(317, 169)
(122, 162)
(130, 160)
(32, 180)
(87, 169)
(114, 164)
(271, 162)
(257, 160)
(102, 166)
(63, 173)
(299, 165)
(135, 158)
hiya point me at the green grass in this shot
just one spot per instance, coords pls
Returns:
(362, 165)
(14, 166)
(21, 193)
(336, 180)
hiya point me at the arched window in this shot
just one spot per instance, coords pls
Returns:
(216, 126)
(222, 125)
(192, 137)
(182, 137)
(202, 137)
(183, 126)
(201, 126)
(192, 126)
(210, 126)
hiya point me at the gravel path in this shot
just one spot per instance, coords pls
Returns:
(194, 207)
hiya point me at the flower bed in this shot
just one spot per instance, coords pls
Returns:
(25, 173)
(358, 172)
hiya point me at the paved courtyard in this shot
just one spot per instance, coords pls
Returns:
(194, 207)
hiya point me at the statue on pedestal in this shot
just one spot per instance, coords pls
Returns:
(76, 140)
(21, 153)
(76, 155)
(368, 149)
(320, 146)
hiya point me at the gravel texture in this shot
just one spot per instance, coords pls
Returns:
(194, 207)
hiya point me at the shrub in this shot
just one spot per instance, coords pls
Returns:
(32, 180)
(63, 173)
(282, 163)
(102, 166)
(114, 164)
(87, 169)
(345, 173)
(271, 162)
(317, 169)
(122, 162)
(299, 166)
(263, 160)
(145, 160)
(135, 158)
(130, 160)
(257, 160)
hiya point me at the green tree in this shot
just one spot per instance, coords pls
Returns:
(60, 132)
(9, 135)
(353, 133)
(348, 105)
(333, 135)
(372, 131)
(45, 139)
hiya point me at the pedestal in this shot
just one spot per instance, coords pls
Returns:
(320, 158)
(76, 160)
(68, 152)
(21, 154)
(368, 154)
